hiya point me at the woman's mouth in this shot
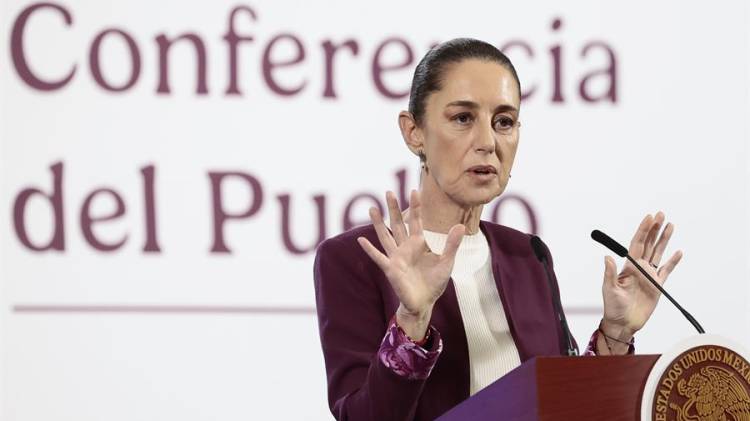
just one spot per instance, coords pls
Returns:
(483, 172)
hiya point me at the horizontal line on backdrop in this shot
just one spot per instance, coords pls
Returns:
(202, 309)
(159, 308)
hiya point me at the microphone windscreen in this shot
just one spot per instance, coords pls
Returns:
(609, 243)
(536, 244)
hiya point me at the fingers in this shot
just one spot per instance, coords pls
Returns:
(379, 258)
(397, 222)
(668, 267)
(383, 235)
(415, 214)
(652, 233)
(610, 270)
(661, 245)
(638, 243)
(455, 235)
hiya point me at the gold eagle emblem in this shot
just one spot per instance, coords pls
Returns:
(714, 394)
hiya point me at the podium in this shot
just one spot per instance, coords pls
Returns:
(562, 388)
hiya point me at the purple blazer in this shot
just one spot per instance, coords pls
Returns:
(355, 303)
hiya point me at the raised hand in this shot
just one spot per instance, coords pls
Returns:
(629, 298)
(417, 275)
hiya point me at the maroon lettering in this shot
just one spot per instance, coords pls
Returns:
(233, 40)
(329, 50)
(149, 211)
(347, 222)
(87, 221)
(556, 52)
(286, 235)
(609, 72)
(378, 68)
(55, 199)
(504, 199)
(269, 66)
(19, 55)
(165, 44)
(221, 216)
(135, 60)
(526, 93)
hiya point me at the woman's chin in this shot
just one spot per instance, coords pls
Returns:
(482, 196)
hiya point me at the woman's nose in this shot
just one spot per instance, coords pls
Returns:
(486, 141)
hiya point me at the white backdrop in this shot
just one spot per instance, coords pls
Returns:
(179, 331)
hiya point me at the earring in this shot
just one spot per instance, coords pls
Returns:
(423, 160)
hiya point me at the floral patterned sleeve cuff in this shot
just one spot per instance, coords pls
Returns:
(591, 348)
(407, 358)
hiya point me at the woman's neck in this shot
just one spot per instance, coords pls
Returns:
(440, 212)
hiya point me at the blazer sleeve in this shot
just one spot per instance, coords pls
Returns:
(352, 324)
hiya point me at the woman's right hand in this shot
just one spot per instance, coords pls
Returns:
(417, 275)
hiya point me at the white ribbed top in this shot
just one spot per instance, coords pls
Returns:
(492, 352)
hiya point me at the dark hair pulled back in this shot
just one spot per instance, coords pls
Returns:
(428, 74)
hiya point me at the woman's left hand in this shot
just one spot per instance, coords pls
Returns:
(629, 298)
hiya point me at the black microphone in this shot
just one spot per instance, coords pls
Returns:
(538, 247)
(621, 251)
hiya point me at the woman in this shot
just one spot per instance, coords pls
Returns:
(416, 318)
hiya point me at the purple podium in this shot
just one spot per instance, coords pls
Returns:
(562, 388)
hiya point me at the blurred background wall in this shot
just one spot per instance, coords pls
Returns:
(168, 168)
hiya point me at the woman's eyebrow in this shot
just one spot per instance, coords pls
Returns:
(471, 104)
(505, 108)
(463, 103)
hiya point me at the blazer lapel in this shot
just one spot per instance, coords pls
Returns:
(446, 317)
(526, 297)
(502, 286)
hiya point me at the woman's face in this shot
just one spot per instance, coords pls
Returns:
(470, 131)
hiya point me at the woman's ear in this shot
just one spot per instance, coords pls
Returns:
(411, 132)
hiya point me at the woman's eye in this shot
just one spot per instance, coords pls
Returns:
(463, 118)
(504, 123)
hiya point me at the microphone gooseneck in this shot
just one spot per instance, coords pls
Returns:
(538, 247)
(609, 243)
(621, 251)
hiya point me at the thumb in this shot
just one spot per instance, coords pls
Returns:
(610, 269)
(455, 235)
